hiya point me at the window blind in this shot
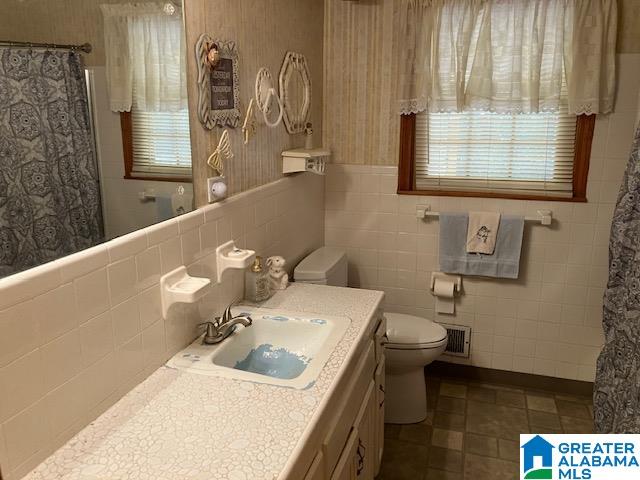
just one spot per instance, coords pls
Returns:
(483, 151)
(161, 143)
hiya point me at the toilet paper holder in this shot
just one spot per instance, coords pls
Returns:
(457, 280)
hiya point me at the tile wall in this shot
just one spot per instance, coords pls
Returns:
(548, 322)
(78, 333)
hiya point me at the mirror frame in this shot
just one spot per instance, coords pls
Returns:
(295, 63)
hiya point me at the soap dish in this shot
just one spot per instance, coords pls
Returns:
(230, 256)
(179, 286)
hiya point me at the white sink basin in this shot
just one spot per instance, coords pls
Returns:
(280, 348)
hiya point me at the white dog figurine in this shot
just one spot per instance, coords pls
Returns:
(279, 279)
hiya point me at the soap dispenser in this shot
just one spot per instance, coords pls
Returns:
(256, 282)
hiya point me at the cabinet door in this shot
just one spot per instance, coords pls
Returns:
(365, 423)
(379, 416)
(380, 338)
(346, 466)
(316, 470)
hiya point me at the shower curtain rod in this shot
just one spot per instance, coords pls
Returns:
(86, 47)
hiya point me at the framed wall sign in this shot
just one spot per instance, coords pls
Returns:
(218, 83)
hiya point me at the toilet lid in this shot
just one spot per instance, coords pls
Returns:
(410, 330)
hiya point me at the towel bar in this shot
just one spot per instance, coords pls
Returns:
(544, 217)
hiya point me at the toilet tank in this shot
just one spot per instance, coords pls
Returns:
(324, 266)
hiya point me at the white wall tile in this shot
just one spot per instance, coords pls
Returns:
(56, 312)
(153, 343)
(150, 306)
(27, 284)
(22, 384)
(96, 338)
(61, 359)
(92, 294)
(122, 280)
(130, 357)
(170, 254)
(126, 321)
(27, 433)
(148, 267)
(127, 245)
(68, 404)
(19, 332)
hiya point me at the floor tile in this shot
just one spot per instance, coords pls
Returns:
(430, 415)
(541, 404)
(481, 394)
(487, 468)
(481, 445)
(449, 421)
(495, 420)
(544, 420)
(433, 474)
(403, 461)
(415, 433)
(576, 425)
(391, 430)
(509, 450)
(510, 399)
(574, 398)
(444, 459)
(472, 430)
(447, 439)
(504, 388)
(453, 390)
(573, 409)
(451, 405)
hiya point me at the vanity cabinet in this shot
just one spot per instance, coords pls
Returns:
(353, 441)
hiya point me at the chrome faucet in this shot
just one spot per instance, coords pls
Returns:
(222, 327)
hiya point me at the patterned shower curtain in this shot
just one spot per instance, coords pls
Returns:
(49, 185)
(617, 387)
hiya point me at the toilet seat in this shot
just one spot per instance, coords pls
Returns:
(408, 332)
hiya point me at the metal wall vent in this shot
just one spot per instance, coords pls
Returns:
(459, 340)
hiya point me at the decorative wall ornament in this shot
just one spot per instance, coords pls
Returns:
(249, 124)
(222, 152)
(265, 94)
(295, 92)
(218, 83)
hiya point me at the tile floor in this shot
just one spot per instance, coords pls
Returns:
(472, 431)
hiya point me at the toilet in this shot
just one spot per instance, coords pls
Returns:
(413, 342)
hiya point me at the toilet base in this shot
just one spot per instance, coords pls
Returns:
(406, 396)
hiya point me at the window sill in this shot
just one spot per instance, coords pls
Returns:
(508, 196)
(152, 178)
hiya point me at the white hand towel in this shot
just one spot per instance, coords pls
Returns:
(482, 232)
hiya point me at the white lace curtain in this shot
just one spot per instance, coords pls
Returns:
(507, 56)
(145, 57)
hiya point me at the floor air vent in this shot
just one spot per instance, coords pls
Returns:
(459, 337)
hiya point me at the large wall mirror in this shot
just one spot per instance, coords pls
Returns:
(94, 126)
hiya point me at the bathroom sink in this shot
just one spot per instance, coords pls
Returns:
(280, 348)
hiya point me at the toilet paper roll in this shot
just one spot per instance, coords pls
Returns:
(444, 289)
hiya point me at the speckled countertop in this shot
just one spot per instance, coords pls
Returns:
(183, 426)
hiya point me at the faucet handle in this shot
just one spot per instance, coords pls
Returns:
(211, 331)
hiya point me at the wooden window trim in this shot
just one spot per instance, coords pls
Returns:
(127, 150)
(406, 166)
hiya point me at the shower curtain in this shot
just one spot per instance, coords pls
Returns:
(49, 184)
(617, 387)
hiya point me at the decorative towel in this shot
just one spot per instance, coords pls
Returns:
(482, 232)
(504, 263)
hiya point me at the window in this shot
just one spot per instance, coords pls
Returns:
(532, 156)
(156, 145)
